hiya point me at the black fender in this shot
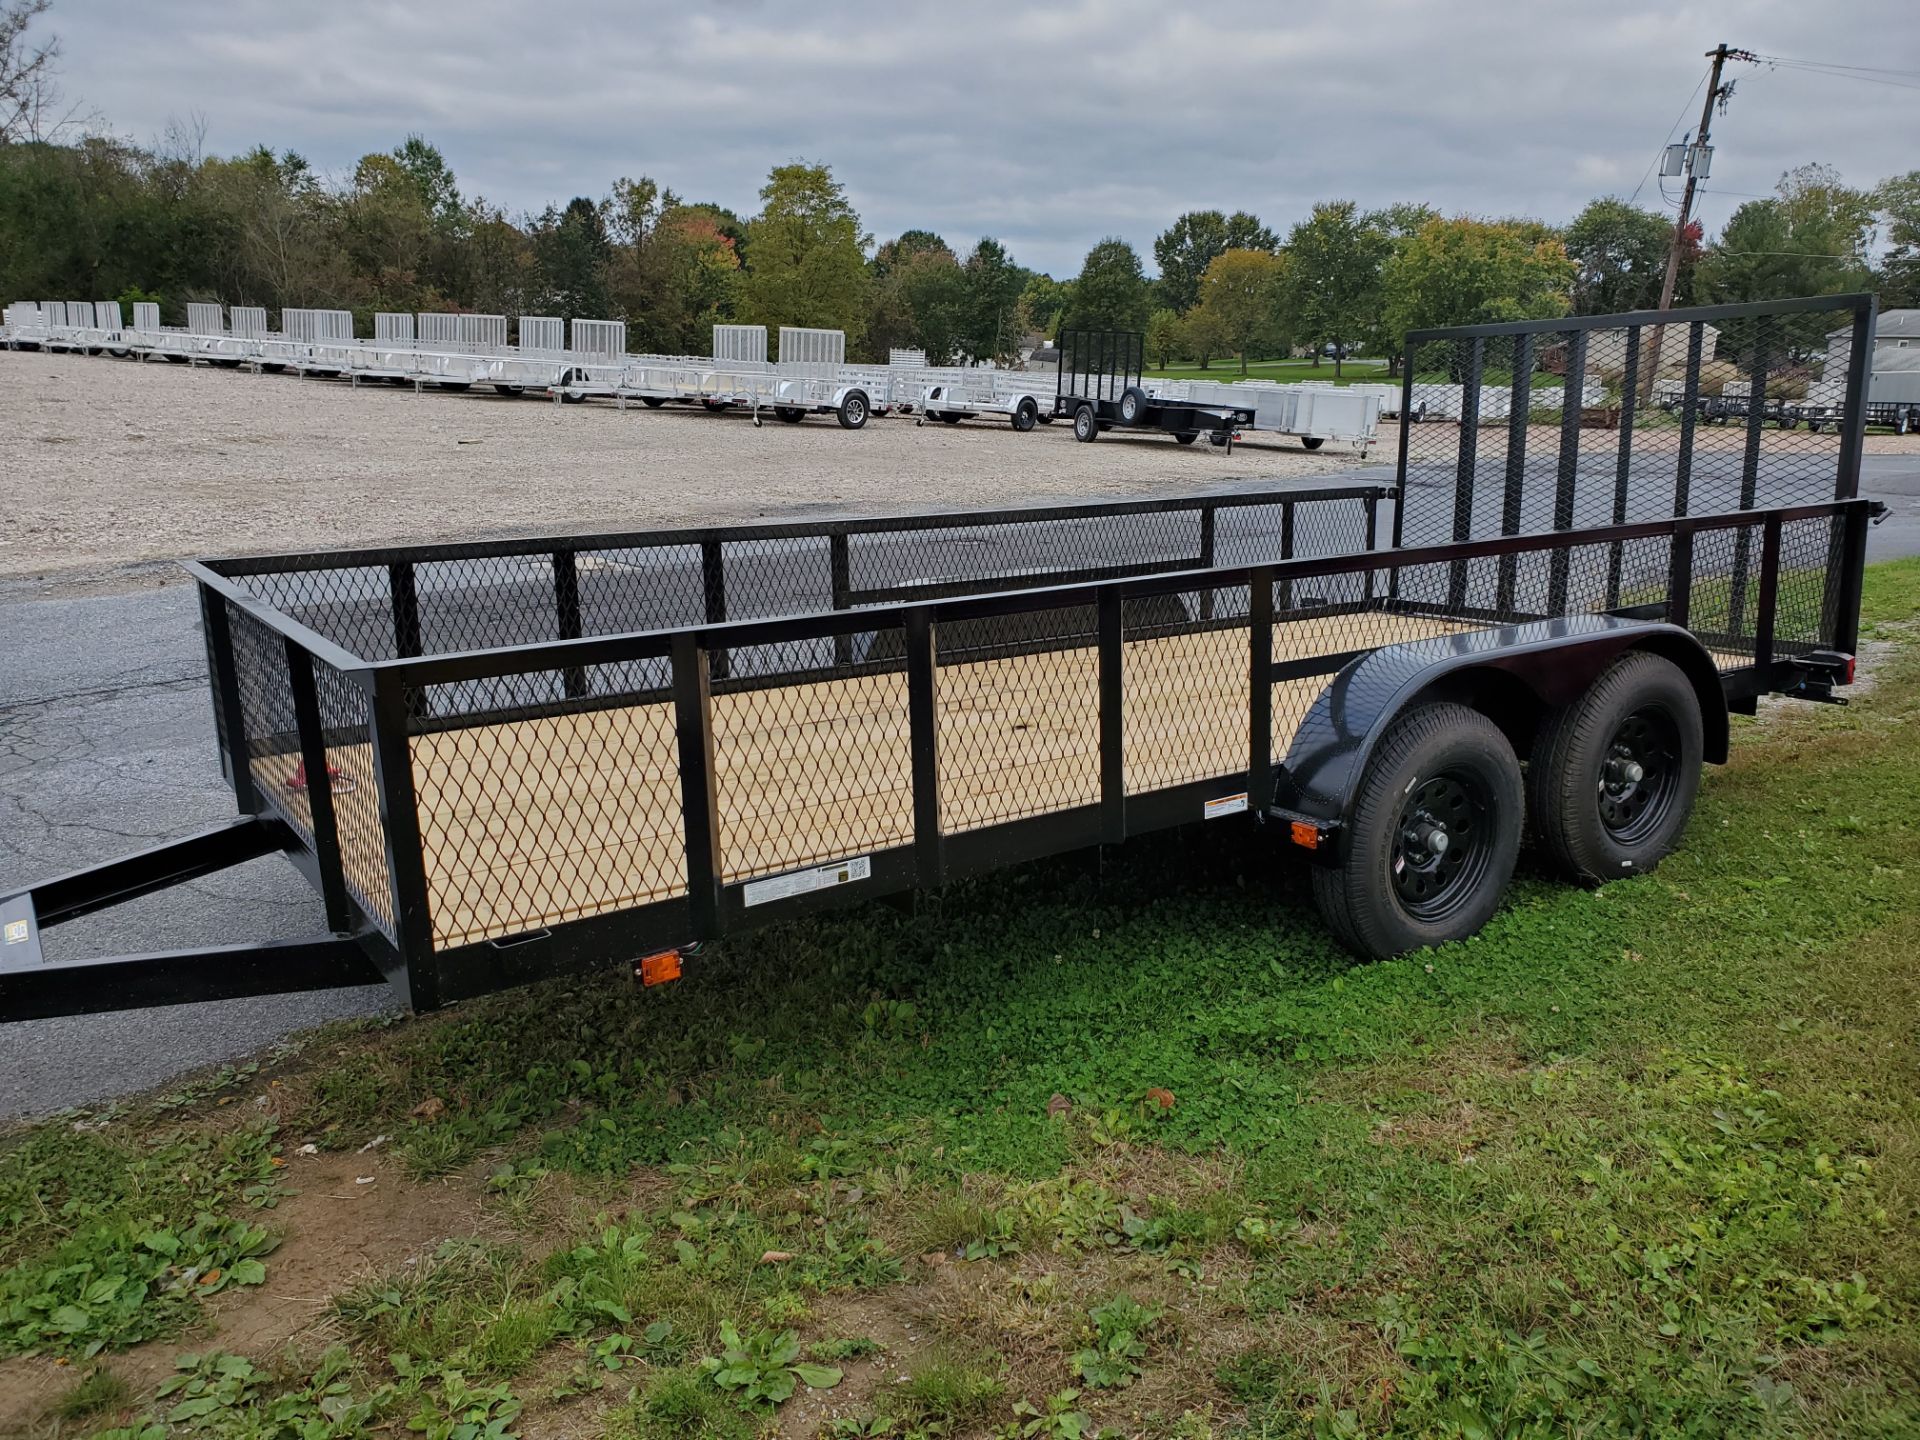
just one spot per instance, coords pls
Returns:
(1513, 673)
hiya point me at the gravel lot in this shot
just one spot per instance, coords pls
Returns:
(110, 470)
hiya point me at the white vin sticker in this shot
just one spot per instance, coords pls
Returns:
(802, 882)
(1225, 805)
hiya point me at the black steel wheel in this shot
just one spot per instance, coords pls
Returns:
(852, 413)
(1086, 425)
(1613, 776)
(1313, 442)
(1133, 405)
(1186, 437)
(1025, 416)
(1436, 829)
(790, 414)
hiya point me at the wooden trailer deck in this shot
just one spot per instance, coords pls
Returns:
(532, 822)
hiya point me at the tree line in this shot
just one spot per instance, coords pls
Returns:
(88, 215)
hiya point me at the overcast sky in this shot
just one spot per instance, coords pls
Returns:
(1048, 126)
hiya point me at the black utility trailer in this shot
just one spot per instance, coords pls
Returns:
(501, 761)
(1099, 388)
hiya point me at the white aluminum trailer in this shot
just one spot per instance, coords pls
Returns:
(1020, 395)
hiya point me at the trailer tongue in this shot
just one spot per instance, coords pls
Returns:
(500, 761)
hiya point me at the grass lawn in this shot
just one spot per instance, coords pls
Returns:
(1352, 371)
(1138, 1151)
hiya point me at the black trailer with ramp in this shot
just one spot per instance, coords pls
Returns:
(1099, 388)
(502, 761)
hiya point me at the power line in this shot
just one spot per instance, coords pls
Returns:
(1833, 65)
(1857, 75)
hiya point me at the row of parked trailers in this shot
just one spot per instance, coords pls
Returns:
(587, 360)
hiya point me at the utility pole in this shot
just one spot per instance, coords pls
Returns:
(1698, 156)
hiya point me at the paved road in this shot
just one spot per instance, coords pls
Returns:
(106, 744)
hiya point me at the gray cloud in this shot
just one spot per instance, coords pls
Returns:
(1048, 126)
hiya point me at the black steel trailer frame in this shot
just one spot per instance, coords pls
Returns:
(330, 749)
(1099, 387)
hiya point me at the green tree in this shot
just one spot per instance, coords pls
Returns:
(806, 255)
(1898, 279)
(909, 243)
(571, 250)
(1620, 255)
(921, 304)
(1111, 292)
(432, 178)
(1041, 304)
(990, 327)
(1334, 285)
(1185, 249)
(1811, 238)
(1241, 299)
(1467, 272)
(1164, 338)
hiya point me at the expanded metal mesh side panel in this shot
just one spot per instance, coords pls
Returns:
(1184, 666)
(1017, 701)
(267, 718)
(351, 606)
(556, 814)
(345, 726)
(657, 587)
(470, 602)
(808, 773)
(1328, 618)
(1806, 607)
(1523, 433)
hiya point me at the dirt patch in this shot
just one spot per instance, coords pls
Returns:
(336, 1231)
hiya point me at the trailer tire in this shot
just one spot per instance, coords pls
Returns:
(1443, 773)
(1218, 438)
(1045, 417)
(1086, 425)
(1025, 416)
(852, 413)
(653, 402)
(949, 417)
(1313, 442)
(1186, 437)
(1613, 776)
(510, 389)
(791, 414)
(1133, 405)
